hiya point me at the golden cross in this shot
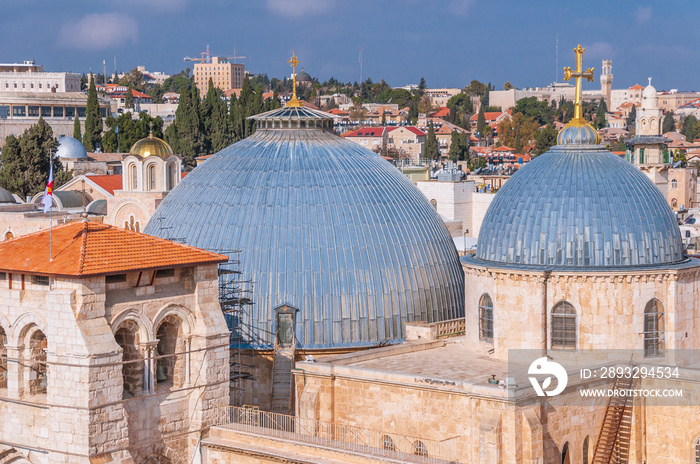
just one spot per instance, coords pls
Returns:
(294, 101)
(578, 75)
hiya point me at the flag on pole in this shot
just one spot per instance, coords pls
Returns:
(47, 199)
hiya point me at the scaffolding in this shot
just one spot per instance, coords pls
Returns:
(236, 300)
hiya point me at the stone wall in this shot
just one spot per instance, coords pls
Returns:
(65, 398)
(609, 307)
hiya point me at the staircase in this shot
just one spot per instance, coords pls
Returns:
(614, 439)
(282, 364)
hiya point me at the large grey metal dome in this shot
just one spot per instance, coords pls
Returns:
(325, 226)
(579, 205)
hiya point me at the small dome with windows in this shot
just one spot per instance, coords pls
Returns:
(151, 146)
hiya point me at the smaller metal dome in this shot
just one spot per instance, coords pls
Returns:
(151, 146)
(6, 197)
(69, 147)
(303, 76)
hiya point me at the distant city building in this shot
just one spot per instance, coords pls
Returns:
(224, 75)
(30, 77)
(21, 110)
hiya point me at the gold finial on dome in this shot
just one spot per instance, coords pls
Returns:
(578, 131)
(294, 100)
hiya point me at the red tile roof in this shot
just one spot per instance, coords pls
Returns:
(503, 148)
(82, 249)
(109, 183)
(488, 116)
(412, 129)
(443, 112)
(366, 132)
(636, 87)
(338, 112)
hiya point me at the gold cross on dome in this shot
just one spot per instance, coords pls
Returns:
(578, 75)
(294, 101)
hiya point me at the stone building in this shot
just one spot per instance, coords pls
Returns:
(649, 150)
(149, 172)
(113, 347)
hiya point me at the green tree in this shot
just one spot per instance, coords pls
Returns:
(545, 138)
(76, 128)
(517, 131)
(531, 107)
(430, 148)
(461, 109)
(690, 128)
(508, 86)
(631, 119)
(669, 124)
(459, 146)
(185, 134)
(422, 86)
(129, 98)
(26, 161)
(600, 119)
(481, 121)
(93, 119)
(217, 128)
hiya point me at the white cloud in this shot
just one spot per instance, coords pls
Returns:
(599, 50)
(460, 7)
(99, 31)
(643, 14)
(298, 8)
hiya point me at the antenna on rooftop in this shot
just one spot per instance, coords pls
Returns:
(556, 65)
(162, 228)
(360, 63)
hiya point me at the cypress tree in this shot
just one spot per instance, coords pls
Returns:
(215, 120)
(93, 119)
(129, 98)
(186, 137)
(76, 128)
(430, 149)
(481, 121)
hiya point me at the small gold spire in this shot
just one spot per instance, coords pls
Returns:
(294, 100)
(578, 75)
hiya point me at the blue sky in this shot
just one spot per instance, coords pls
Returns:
(449, 42)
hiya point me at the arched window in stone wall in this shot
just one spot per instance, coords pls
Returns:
(388, 443)
(35, 367)
(127, 337)
(170, 365)
(3, 359)
(419, 449)
(696, 445)
(565, 458)
(653, 329)
(172, 176)
(486, 318)
(564, 326)
(151, 177)
(674, 184)
(9, 235)
(133, 177)
(586, 446)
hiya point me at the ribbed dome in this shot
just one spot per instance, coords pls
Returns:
(151, 146)
(325, 226)
(69, 147)
(579, 206)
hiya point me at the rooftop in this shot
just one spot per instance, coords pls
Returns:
(82, 249)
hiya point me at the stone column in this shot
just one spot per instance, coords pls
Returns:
(188, 345)
(148, 350)
(15, 375)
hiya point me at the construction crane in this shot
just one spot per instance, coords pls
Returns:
(203, 59)
(234, 57)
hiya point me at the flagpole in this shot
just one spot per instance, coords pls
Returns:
(51, 234)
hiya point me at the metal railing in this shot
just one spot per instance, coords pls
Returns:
(339, 436)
